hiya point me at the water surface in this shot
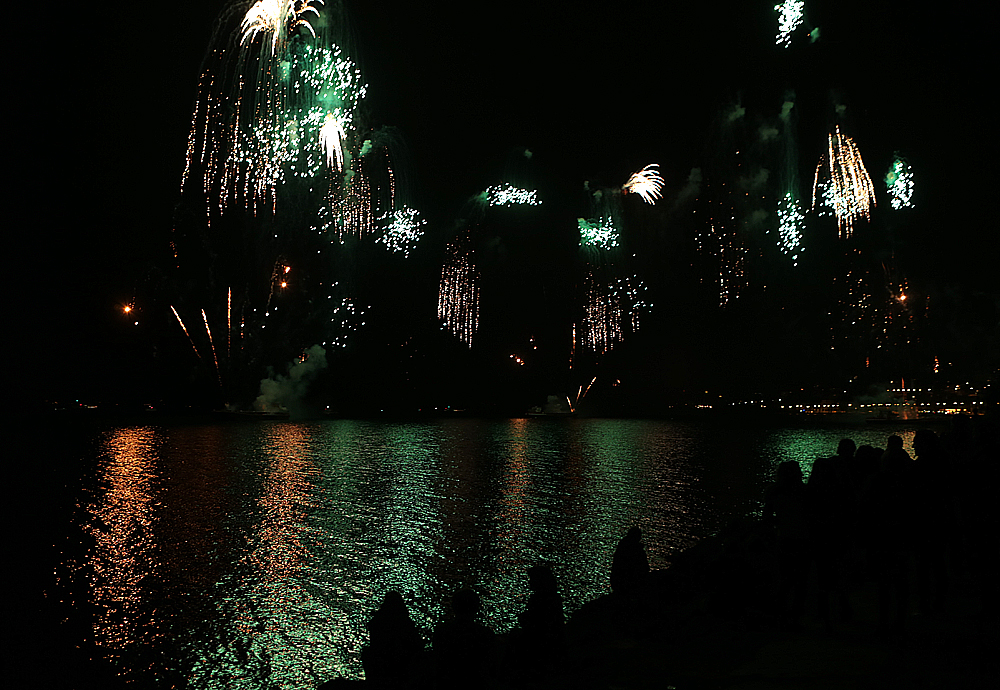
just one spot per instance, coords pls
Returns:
(251, 555)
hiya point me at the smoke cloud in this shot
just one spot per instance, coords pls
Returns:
(756, 182)
(735, 114)
(690, 189)
(286, 392)
(768, 133)
(786, 110)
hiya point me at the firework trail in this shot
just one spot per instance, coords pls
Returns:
(229, 323)
(845, 186)
(211, 342)
(184, 328)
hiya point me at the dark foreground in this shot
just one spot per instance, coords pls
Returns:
(678, 642)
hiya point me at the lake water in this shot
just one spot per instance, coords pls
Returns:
(251, 555)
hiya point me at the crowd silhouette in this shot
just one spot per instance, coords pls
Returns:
(904, 527)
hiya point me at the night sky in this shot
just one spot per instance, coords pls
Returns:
(594, 92)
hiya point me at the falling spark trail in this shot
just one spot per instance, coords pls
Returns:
(229, 323)
(184, 328)
(212, 343)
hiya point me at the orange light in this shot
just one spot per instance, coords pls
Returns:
(127, 308)
(284, 284)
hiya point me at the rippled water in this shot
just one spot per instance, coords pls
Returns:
(251, 555)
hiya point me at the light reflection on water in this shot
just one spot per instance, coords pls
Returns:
(122, 527)
(251, 556)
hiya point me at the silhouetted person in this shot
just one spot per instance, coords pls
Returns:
(785, 511)
(895, 458)
(935, 523)
(629, 565)
(394, 644)
(868, 462)
(830, 512)
(629, 576)
(541, 637)
(847, 463)
(888, 507)
(464, 649)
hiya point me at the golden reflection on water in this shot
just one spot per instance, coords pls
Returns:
(516, 481)
(124, 555)
(287, 486)
(275, 621)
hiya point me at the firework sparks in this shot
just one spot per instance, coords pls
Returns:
(250, 136)
(402, 229)
(184, 328)
(899, 183)
(600, 233)
(347, 317)
(790, 223)
(211, 342)
(848, 189)
(611, 310)
(331, 134)
(647, 183)
(509, 195)
(278, 18)
(789, 19)
(458, 294)
(229, 323)
(581, 393)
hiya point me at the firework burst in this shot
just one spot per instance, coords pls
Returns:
(899, 183)
(508, 195)
(599, 233)
(401, 230)
(790, 224)
(278, 18)
(647, 183)
(842, 183)
(789, 19)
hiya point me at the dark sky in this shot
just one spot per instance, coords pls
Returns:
(594, 90)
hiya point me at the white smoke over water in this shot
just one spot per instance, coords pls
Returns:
(286, 392)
